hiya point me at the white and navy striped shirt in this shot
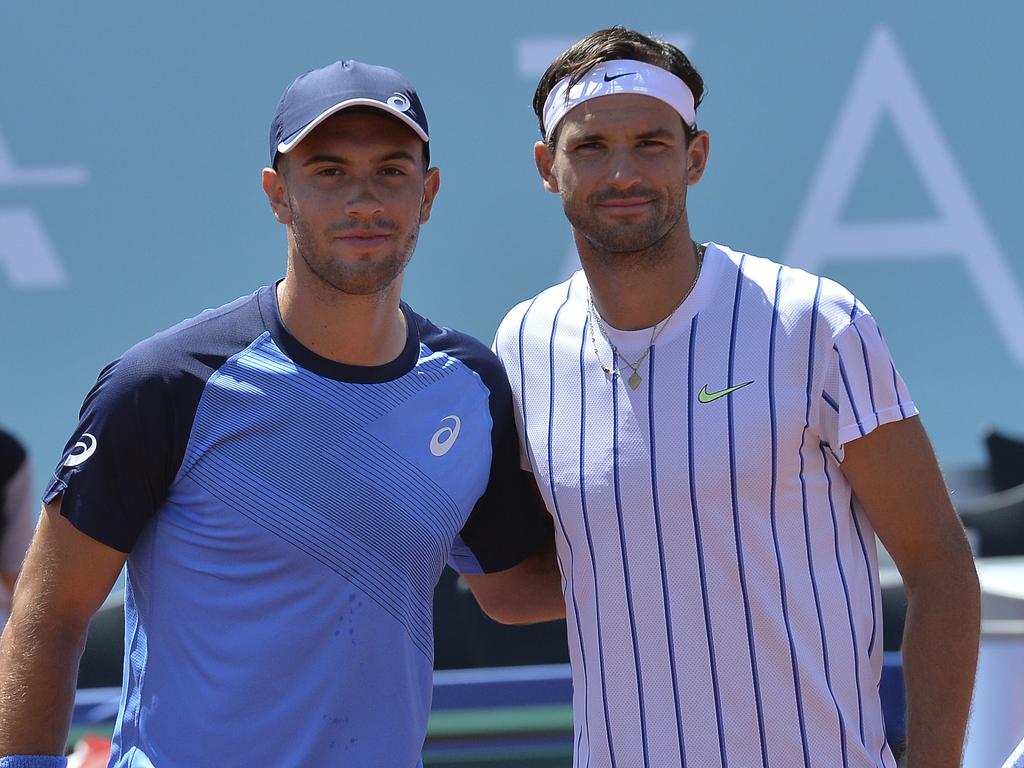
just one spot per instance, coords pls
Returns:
(720, 578)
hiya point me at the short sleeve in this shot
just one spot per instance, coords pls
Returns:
(505, 346)
(118, 464)
(862, 388)
(506, 525)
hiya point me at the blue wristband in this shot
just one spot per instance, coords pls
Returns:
(33, 761)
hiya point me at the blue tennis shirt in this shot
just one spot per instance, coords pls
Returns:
(287, 518)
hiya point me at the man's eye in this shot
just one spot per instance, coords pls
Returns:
(588, 146)
(329, 172)
(392, 171)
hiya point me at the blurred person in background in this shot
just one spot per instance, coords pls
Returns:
(17, 515)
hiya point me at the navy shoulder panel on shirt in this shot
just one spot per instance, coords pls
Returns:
(135, 422)
(505, 527)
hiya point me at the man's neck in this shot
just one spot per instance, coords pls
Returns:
(355, 330)
(633, 291)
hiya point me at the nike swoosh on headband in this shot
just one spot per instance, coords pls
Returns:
(608, 78)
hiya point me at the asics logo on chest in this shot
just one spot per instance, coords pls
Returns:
(445, 437)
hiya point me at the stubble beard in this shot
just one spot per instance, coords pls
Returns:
(628, 246)
(355, 278)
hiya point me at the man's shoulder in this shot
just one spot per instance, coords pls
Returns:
(462, 346)
(796, 293)
(190, 349)
(218, 328)
(543, 304)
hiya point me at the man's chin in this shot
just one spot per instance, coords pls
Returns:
(364, 285)
(622, 244)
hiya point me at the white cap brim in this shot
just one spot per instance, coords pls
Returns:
(286, 146)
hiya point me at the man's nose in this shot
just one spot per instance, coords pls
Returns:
(623, 172)
(363, 201)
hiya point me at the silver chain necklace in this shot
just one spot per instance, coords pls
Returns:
(635, 379)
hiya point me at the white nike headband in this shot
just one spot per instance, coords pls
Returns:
(620, 76)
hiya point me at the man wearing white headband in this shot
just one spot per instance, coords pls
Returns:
(718, 438)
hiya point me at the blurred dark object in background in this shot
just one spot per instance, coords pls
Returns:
(464, 637)
(1005, 459)
(995, 522)
(102, 663)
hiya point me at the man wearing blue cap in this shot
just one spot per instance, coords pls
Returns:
(285, 476)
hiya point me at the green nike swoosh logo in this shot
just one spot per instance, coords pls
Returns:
(708, 397)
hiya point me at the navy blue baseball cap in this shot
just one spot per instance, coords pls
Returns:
(316, 95)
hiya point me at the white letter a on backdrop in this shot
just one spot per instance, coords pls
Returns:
(883, 84)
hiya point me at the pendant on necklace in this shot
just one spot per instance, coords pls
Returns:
(634, 380)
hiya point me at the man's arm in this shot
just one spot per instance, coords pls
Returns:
(529, 592)
(65, 578)
(896, 478)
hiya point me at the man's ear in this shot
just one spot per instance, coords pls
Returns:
(277, 194)
(431, 184)
(545, 159)
(697, 157)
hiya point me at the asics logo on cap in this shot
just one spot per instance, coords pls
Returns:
(445, 437)
(400, 102)
(85, 448)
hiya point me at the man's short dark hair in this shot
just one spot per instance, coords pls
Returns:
(609, 45)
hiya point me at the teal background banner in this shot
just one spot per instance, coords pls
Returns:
(876, 143)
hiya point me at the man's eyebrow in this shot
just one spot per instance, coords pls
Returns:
(657, 133)
(337, 159)
(398, 154)
(585, 138)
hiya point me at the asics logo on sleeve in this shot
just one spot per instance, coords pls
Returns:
(445, 437)
(708, 397)
(83, 449)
